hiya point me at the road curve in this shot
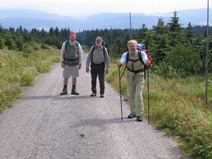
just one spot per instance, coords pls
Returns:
(44, 125)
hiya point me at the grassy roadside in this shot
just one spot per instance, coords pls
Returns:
(178, 107)
(18, 69)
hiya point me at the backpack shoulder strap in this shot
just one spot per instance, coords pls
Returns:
(66, 44)
(140, 57)
(104, 50)
(128, 56)
(93, 48)
(76, 43)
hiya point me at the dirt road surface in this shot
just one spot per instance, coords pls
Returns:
(44, 125)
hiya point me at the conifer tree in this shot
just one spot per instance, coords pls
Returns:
(160, 44)
(175, 30)
(189, 34)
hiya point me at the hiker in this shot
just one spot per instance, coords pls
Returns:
(135, 78)
(71, 61)
(98, 57)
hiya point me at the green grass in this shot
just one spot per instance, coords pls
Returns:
(177, 106)
(19, 69)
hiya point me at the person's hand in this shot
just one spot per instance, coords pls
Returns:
(106, 71)
(87, 69)
(79, 66)
(62, 64)
(148, 63)
(119, 63)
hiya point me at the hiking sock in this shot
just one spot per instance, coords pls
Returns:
(73, 86)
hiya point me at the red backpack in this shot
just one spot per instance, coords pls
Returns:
(142, 48)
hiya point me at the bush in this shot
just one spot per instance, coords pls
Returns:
(10, 43)
(27, 79)
(1, 43)
(27, 52)
(181, 61)
(44, 46)
(43, 68)
(56, 59)
(2, 97)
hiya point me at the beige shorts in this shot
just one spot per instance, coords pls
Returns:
(69, 71)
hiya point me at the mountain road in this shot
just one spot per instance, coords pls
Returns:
(44, 125)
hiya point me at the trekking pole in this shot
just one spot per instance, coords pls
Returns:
(120, 94)
(148, 92)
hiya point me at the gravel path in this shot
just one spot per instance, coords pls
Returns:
(44, 125)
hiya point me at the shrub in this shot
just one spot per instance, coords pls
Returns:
(10, 44)
(27, 79)
(2, 45)
(2, 97)
(43, 68)
(44, 46)
(181, 61)
(36, 48)
(27, 52)
(56, 59)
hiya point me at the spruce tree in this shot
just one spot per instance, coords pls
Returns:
(175, 30)
(189, 33)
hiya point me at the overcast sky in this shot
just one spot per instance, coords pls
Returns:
(81, 7)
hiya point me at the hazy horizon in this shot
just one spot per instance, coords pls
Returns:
(83, 7)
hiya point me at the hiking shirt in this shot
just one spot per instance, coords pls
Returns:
(98, 57)
(124, 57)
(63, 51)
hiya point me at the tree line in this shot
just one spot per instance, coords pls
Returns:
(176, 51)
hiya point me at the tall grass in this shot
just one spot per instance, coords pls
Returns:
(18, 69)
(178, 107)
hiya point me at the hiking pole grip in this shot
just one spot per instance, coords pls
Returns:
(120, 93)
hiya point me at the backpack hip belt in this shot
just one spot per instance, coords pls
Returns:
(137, 71)
(71, 59)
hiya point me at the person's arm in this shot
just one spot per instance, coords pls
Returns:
(145, 59)
(62, 51)
(88, 60)
(80, 54)
(107, 61)
(123, 59)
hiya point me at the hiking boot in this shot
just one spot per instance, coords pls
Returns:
(74, 92)
(101, 95)
(64, 91)
(131, 116)
(139, 118)
(93, 94)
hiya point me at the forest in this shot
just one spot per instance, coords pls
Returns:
(176, 51)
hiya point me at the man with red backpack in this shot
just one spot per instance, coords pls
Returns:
(135, 78)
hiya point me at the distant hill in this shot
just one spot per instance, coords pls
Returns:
(39, 19)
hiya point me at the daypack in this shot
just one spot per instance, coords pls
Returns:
(67, 41)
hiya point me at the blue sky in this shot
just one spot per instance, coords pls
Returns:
(86, 7)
